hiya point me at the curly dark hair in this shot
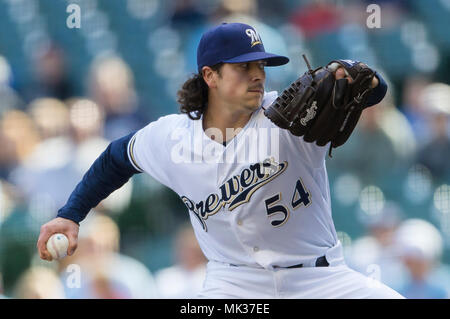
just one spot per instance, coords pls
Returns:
(193, 95)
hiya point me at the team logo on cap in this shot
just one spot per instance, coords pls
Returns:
(256, 39)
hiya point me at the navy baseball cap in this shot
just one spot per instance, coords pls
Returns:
(234, 43)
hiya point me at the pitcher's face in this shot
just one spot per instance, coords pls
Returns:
(242, 84)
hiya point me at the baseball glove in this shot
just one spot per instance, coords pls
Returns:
(321, 108)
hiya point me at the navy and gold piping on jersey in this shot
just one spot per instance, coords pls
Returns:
(131, 154)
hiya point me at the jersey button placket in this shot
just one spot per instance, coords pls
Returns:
(238, 228)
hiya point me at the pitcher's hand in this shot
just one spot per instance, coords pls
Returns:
(57, 225)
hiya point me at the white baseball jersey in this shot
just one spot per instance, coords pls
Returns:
(258, 205)
(262, 200)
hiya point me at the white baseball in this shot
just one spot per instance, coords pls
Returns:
(57, 246)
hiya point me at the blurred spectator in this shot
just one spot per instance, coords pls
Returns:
(105, 273)
(87, 126)
(383, 224)
(16, 235)
(51, 117)
(111, 86)
(185, 278)
(5, 72)
(8, 155)
(87, 119)
(420, 246)
(316, 17)
(9, 198)
(45, 174)
(39, 283)
(435, 154)
(395, 125)
(415, 111)
(381, 144)
(187, 14)
(376, 250)
(9, 99)
(21, 136)
(233, 7)
(50, 76)
(71, 141)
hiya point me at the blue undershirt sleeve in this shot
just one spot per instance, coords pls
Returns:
(377, 95)
(110, 171)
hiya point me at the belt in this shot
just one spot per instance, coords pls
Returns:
(320, 262)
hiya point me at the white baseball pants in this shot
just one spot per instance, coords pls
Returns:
(337, 281)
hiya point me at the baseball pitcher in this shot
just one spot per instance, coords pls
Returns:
(250, 167)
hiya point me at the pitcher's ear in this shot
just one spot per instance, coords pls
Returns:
(210, 76)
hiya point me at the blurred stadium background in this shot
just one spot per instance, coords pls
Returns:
(66, 93)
